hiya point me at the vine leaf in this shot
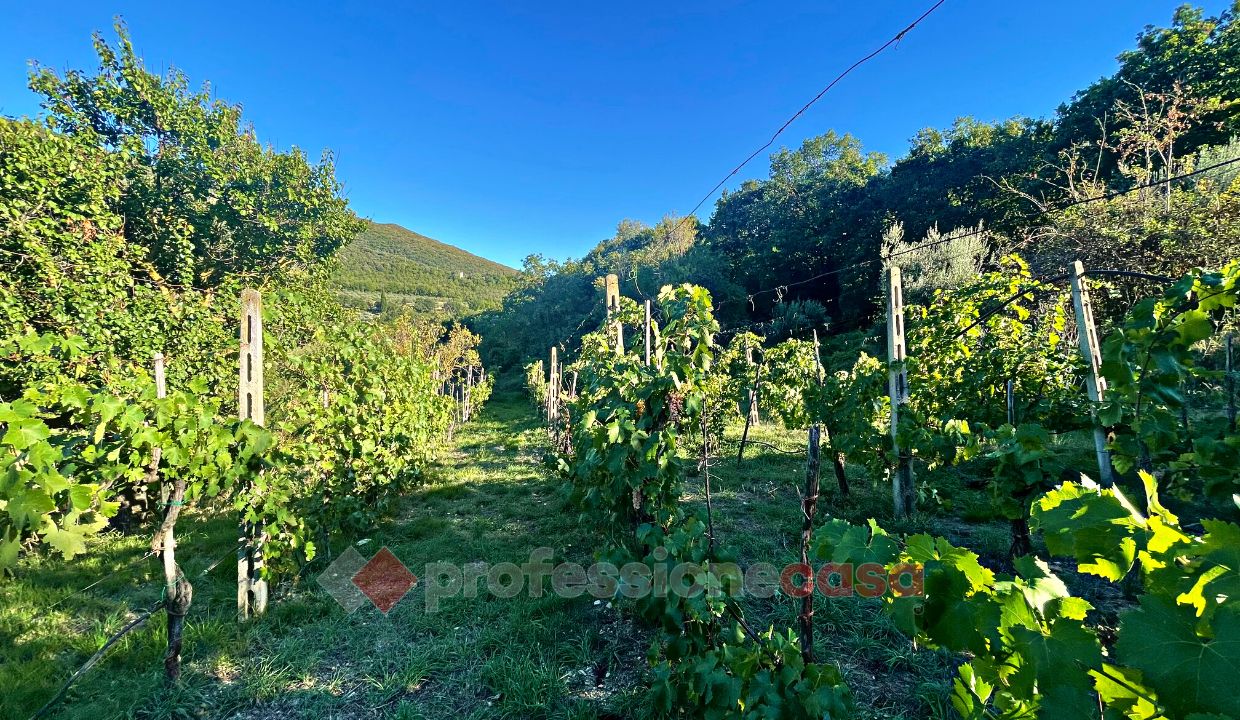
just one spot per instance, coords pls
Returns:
(1096, 527)
(1055, 661)
(1189, 672)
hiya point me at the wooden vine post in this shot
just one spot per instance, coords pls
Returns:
(818, 360)
(1010, 395)
(902, 487)
(612, 284)
(837, 458)
(751, 417)
(1095, 384)
(809, 505)
(1230, 371)
(251, 587)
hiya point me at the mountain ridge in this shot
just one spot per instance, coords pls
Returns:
(390, 264)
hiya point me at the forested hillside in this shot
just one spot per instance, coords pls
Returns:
(807, 244)
(387, 267)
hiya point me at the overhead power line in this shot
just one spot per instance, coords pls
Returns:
(838, 78)
(894, 39)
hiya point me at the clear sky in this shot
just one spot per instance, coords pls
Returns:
(510, 128)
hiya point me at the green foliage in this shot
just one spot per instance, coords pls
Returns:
(135, 192)
(939, 261)
(626, 471)
(366, 420)
(77, 298)
(67, 451)
(791, 369)
(1033, 653)
(810, 240)
(965, 344)
(536, 383)
(200, 194)
(1192, 50)
(1147, 363)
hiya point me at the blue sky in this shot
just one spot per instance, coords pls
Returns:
(520, 127)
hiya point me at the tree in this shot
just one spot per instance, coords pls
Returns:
(1195, 52)
(200, 193)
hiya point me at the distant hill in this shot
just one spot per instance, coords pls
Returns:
(387, 262)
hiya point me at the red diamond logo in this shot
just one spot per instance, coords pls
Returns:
(385, 580)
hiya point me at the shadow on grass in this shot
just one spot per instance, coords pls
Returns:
(490, 500)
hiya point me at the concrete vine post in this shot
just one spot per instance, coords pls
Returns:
(612, 285)
(1095, 384)
(647, 333)
(754, 419)
(251, 586)
(553, 390)
(902, 487)
(1010, 396)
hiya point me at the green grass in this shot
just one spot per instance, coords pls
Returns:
(490, 499)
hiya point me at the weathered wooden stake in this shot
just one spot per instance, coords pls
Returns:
(152, 472)
(1231, 385)
(710, 513)
(1095, 384)
(612, 285)
(178, 593)
(837, 458)
(903, 489)
(753, 411)
(818, 359)
(1010, 393)
(251, 587)
(809, 506)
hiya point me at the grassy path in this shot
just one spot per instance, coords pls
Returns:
(491, 501)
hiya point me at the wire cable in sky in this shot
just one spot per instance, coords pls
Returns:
(894, 39)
